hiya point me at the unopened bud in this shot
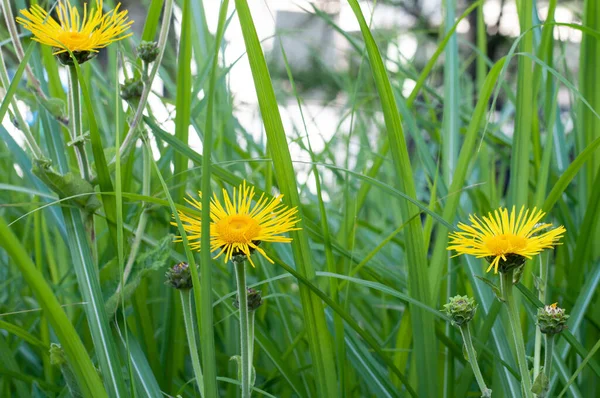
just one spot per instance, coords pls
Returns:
(148, 51)
(460, 309)
(132, 89)
(179, 276)
(254, 300)
(552, 319)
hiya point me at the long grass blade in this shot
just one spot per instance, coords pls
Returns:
(319, 336)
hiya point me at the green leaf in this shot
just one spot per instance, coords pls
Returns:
(541, 383)
(145, 264)
(465, 352)
(67, 186)
(495, 288)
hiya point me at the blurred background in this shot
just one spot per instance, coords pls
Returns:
(321, 39)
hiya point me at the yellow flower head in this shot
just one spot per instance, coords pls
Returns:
(237, 227)
(500, 235)
(94, 31)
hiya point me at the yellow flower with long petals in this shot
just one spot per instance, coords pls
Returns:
(94, 31)
(238, 227)
(502, 237)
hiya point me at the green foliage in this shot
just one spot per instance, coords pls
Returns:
(399, 151)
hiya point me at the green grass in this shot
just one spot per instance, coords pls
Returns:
(351, 308)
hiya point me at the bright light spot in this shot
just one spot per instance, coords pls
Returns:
(491, 12)
(407, 45)
(407, 87)
(463, 26)
(19, 170)
(509, 24)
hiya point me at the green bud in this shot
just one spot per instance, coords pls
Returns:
(460, 309)
(57, 354)
(552, 319)
(80, 56)
(179, 276)
(254, 300)
(148, 51)
(513, 261)
(132, 89)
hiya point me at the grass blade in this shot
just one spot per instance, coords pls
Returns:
(318, 335)
(85, 372)
(422, 322)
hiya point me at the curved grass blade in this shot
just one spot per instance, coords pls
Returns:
(12, 89)
(203, 291)
(465, 158)
(319, 336)
(349, 320)
(416, 257)
(85, 372)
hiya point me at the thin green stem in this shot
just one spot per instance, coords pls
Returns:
(538, 334)
(251, 317)
(240, 276)
(548, 354)
(78, 142)
(186, 306)
(466, 335)
(139, 233)
(9, 18)
(515, 328)
(139, 112)
(22, 125)
(77, 124)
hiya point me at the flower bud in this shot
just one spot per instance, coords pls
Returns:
(552, 319)
(461, 309)
(254, 300)
(148, 51)
(179, 276)
(132, 89)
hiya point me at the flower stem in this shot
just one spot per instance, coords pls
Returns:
(513, 316)
(78, 141)
(22, 124)
(14, 36)
(251, 339)
(76, 123)
(538, 334)
(139, 233)
(466, 335)
(240, 274)
(186, 305)
(548, 354)
(148, 79)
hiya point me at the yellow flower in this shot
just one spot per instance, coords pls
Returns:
(238, 227)
(505, 237)
(88, 34)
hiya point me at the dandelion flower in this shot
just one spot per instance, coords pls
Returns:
(505, 240)
(94, 31)
(237, 227)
